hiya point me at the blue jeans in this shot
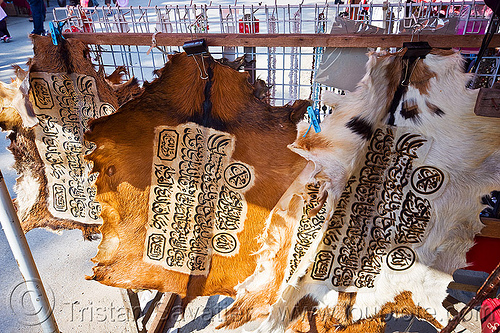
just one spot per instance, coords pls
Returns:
(38, 13)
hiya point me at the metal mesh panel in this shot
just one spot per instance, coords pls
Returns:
(288, 70)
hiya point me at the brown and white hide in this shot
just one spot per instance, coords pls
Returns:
(401, 204)
(173, 219)
(46, 121)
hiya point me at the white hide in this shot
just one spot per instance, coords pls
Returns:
(25, 187)
(464, 145)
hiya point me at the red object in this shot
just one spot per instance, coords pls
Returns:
(484, 255)
(490, 315)
(364, 3)
(22, 4)
(87, 27)
(248, 27)
(72, 29)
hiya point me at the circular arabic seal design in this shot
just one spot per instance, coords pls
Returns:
(224, 243)
(427, 179)
(401, 258)
(237, 175)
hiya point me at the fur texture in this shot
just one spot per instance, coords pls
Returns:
(69, 57)
(124, 155)
(463, 144)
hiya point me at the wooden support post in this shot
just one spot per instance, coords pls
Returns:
(154, 318)
(162, 312)
(131, 308)
(154, 303)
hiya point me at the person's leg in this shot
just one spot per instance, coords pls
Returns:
(4, 33)
(37, 11)
(44, 10)
(3, 28)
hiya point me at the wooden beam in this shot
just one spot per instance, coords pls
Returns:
(280, 40)
(491, 227)
(488, 102)
(152, 306)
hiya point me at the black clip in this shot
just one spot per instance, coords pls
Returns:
(416, 49)
(197, 46)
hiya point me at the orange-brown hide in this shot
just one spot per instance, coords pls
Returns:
(124, 155)
(70, 56)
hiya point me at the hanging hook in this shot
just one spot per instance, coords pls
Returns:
(191, 31)
(154, 44)
(324, 8)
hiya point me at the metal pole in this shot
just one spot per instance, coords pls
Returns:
(22, 254)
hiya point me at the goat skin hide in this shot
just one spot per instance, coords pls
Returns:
(188, 173)
(46, 120)
(401, 170)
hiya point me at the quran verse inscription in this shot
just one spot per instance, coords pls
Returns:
(63, 104)
(196, 202)
(382, 213)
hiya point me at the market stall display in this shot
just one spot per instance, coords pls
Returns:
(198, 182)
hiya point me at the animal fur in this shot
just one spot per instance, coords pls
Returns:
(463, 144)
(124, 155)
(125, 90)
(70, 56)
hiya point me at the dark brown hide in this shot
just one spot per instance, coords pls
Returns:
(71, 56)
(124, 90)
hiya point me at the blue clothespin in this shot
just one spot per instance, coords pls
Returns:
(314, 119)
(56, 31)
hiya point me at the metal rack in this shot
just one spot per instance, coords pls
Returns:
(123, 36)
